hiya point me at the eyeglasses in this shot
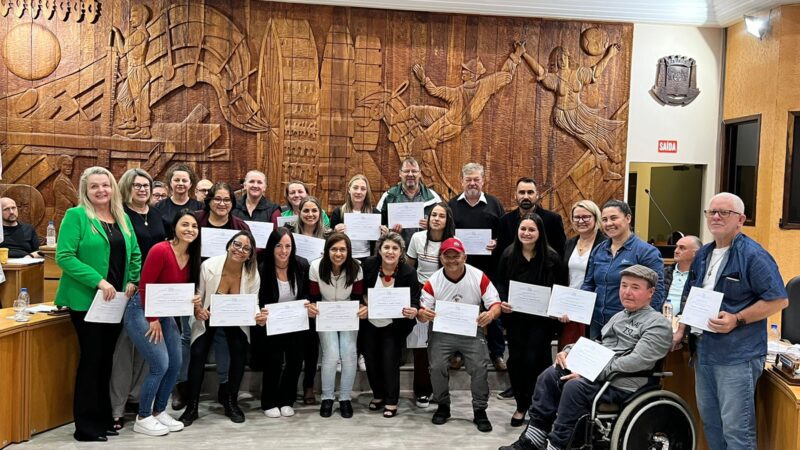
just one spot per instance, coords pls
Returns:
(159, 196)
(409, 171)
(222, 201)
(581, 218)
(338, 250)
(239, 246)
(724, 213)
(141, 187)
(202, 191)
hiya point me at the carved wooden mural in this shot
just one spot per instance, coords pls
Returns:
(307, 92)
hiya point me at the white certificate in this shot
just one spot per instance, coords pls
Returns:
(213, 241)
(701, 305)
(588, 358)
(287, 317)
(111, 311)
(338, 316)
(261, 231)
(169, 300)
(233, 310)
(456, 318)
(407, 215)
(475, 240)
(362, 227)
(388, 303)
(577, 304)
(529, 298)
(308, 247)
(283, 220)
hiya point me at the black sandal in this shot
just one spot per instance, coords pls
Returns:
(389, 413)
(376, 405)
(119, 423)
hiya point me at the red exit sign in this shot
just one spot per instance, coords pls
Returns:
(667, 146)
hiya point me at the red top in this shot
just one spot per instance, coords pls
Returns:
(161, 266)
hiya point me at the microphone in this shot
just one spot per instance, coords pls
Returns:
(647, 191)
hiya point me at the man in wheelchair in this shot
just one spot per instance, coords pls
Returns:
(639, 336)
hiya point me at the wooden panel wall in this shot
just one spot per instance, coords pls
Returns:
(309, 92)
(761, 78)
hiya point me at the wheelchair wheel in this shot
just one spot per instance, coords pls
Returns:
(657, 420)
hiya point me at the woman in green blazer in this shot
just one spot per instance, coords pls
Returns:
(97, 251)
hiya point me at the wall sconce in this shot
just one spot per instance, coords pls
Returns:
(756, 26)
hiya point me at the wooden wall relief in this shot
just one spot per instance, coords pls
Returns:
(308, 92)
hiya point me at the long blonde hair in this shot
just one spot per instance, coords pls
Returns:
(116, 199)
(348, 204)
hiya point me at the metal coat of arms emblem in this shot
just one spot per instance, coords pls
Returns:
(676, 81)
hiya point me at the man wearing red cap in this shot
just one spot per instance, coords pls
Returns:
(459, 282)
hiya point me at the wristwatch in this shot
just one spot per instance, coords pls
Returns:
(740, 322)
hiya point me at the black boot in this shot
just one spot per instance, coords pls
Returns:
(190, 414)
(180, 395)
(232, 410)
(222, 392)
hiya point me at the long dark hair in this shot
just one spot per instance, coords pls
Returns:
(269, 282)
(350, 266)
(549, 256)
(194, 247)
(449, 227)
(250, 265)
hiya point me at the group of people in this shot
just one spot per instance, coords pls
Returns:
(119, 240)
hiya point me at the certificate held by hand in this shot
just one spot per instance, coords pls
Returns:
(577, 304)
(362, 227)
(261, 231)
(213, 241)
(388, 303)
(169, 300)
(233, 310)
(588, 358)
(308, 247)
(701, 306)
(337, 316)
(528, 298)
(407, 215)
(287, 317)
(111, 311)
(475, 240)
(456, 318)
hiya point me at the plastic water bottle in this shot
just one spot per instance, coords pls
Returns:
(667, 309)
(21, 304)
(774, 333)
(51, 234)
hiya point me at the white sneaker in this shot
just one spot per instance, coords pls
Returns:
(273, 413)
(287, 411)
(169, 422)
(150, 426)
(362, 364)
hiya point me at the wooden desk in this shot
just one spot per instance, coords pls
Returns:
(39, 360)
(52, 273)
(20, 276)
(777, 413)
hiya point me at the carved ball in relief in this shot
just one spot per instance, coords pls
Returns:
(31, 51)
(594, 41)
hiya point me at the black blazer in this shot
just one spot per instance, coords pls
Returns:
(406, 277)
(569, 247)
(268, 293)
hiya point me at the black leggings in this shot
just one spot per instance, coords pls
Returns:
(237, 346)
(383, 347)
(310, 354)
(283, 361)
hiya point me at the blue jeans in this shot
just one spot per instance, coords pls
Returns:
(222, 357)
(336, 345)
(164, 358)
(726, 401)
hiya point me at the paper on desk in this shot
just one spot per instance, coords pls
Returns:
(577, 304)
(27, 261)
(111, 311)
(701, 305)
(588, 358)
(40, 308)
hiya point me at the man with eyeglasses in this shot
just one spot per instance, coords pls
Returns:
(160, 192)
(201, 191)
(729, 361)
(409, 189)
(19, 238)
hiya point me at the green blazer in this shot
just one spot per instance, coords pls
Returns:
(83, 252)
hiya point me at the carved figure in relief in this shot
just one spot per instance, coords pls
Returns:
(465, 102)
(580, 121)
(134, 94)
(65, 196)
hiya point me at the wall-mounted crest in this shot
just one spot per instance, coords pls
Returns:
(676, 81)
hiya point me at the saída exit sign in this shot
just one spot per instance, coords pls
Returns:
(667, 146)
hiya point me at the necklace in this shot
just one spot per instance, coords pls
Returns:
(715, 262)
(109, 227)
(388, 278)
(138, 211)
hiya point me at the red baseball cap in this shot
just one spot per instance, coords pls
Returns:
(452, 244)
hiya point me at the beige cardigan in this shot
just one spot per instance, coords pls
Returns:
(210, 275)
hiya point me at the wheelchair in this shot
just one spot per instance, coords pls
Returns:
(648, 419)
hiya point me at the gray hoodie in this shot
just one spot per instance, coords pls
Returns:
(639, 339)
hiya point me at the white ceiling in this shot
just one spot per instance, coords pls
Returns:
(711, 13)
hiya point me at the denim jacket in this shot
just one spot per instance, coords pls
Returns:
(603, 275)
(749, 274)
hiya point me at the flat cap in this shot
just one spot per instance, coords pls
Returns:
(643, 272)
